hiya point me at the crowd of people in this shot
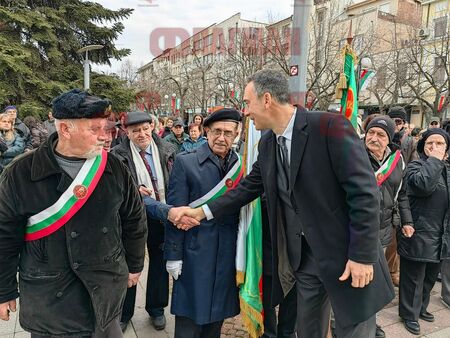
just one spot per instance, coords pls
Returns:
(346, 217)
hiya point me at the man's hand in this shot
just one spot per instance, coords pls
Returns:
(407, 230)
(185, 218)
(174, 268)
(133, 279)
(362, 274)
(5, 308)
(438, 152)
(145, 191)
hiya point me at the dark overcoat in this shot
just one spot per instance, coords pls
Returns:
(206, 290)
(394, 204)
(428, 182)
(77, 276)
(334, 193)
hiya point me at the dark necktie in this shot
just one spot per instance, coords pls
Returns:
(152, 178)
(284, 153)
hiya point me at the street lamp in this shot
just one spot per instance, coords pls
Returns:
(86, 49)
(166, 100)
(173, 103)
(364, 63)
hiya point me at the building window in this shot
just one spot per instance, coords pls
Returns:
(440, 27)
(208, 40)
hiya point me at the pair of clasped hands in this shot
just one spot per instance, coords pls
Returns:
(185, 218)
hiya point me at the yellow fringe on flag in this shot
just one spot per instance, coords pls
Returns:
(247, 321)
(342, 83)
(240, 277)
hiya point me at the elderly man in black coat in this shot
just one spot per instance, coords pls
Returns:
(323, 207)
(149, 159)
(73, 224)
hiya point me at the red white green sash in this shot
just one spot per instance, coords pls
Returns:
(230, 181)
(387, 168)
(54, 217)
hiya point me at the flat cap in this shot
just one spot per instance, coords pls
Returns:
(136, 117)
(178, 123)
(224, 114)
(78, 104)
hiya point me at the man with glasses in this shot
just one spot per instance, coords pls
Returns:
(202, 260)
(434, 123)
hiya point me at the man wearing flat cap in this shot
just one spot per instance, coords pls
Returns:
(73, 225)
(177, 136)
(388, 166)
(202, 260)
(149, 159)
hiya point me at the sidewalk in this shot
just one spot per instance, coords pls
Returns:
(140, 326)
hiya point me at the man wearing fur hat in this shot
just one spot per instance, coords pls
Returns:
(72, 223)
(388, 165)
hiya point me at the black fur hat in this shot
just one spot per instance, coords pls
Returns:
(78, 104)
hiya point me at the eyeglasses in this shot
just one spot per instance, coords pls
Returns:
(398, 121)
(219, 132)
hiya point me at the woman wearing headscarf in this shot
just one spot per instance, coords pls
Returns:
(428, 181)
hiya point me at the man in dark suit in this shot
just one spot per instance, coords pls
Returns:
(323, 207)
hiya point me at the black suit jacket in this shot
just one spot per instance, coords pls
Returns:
(334, 192)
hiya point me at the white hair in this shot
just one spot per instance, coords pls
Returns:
(70, 124)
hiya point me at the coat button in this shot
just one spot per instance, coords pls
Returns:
(105, 230)
(59, 294)
(76, 265)
(74, 234)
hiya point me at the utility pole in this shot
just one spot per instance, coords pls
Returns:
(299, 51)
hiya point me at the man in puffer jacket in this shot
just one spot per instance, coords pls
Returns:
(388, 165)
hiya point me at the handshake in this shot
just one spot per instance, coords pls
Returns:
(185, 218)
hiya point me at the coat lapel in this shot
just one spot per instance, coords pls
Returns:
(299, 140)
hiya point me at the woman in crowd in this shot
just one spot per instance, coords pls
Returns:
(198, 119)
(428, 181)
(195, 138)
(162, 123)
(39, 133)
(13, 139)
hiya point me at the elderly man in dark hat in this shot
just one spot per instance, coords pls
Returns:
(72, 223)
(150, 160)
(177, 136)
(202, 260)
(388, 165)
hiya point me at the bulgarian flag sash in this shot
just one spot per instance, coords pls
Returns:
(386, 169)
(230, 181)
(54, 217)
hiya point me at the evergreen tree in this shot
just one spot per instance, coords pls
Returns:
(39, 40)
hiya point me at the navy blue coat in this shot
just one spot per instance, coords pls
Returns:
(206, 290)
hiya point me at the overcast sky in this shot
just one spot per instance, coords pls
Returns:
(149, 15)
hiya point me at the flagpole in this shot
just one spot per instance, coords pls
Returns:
(299, 51)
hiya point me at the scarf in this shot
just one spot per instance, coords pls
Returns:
(142, 173)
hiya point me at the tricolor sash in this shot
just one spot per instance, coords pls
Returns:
(54, 217)
(386, 169)
(230, 181)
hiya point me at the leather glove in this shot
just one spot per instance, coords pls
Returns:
(174, 268)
